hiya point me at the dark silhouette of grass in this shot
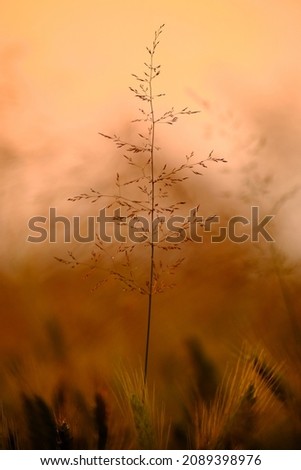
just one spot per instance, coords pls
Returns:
(100, 414)
(40, 423)
(205, 371)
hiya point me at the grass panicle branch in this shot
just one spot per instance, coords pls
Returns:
(154, 180)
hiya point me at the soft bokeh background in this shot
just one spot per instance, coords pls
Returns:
(65, 71)
(65, 75)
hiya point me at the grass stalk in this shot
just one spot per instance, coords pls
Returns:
(152, 211)
(154, 183)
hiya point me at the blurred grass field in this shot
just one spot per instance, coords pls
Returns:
(57, 335)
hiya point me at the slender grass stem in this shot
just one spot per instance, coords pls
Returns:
(152, 211)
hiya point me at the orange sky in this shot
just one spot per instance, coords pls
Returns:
(66, 69)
